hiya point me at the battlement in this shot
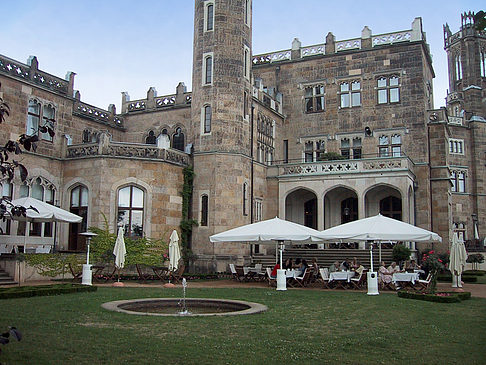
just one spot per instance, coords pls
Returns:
(366, 41)
(30, 73)
(467, 29)
(181, 98)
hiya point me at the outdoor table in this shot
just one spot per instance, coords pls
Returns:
(251, 272)
(405, 278)
(160, 271)
(290, 276)
(341, 275)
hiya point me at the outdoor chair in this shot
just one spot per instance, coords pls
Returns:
(305, 278)
(176, 276)
(423, 284)
(325, 277)
(272, 281)
(143, 275)
(357, 283)
(237, 272)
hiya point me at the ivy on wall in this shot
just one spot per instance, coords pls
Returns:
(187, 222)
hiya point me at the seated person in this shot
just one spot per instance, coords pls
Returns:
(301, 269)
(315, 267)
(345, 265)
(273, 274)
(413, 265)
(359, 269)
(334, 267)
(354, 264)
(385, 275)
(288, 265)
(393, 268)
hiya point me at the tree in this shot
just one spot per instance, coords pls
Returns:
(8, 165)
(480, 20)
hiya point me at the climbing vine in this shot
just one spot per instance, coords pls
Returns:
(187, 222)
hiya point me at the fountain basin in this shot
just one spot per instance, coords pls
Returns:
(171, 307)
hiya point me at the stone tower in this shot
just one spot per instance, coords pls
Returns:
(221, 123)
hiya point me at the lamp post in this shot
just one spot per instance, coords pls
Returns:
(87, 274)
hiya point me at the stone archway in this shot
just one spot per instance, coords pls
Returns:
(340, 206)
(301, 207)
(386, 200)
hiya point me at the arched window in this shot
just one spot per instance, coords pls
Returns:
(207, 118)
(163, 140)
(178, 140)
(151, 139)
(391, 207)
(33, 117)
(245, 199)
(78, 206)
(130, 210)
(458, 67)
(208, 16)
(204, 210)
(349, 210)
(208, 70)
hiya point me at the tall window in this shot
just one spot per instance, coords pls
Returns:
(178, 140)
(208, 16)
(246, 62)
(460, 229)
(247, 11)
(314, 98)
(383, 142)
(42, 190)
(35, 125)
(309, 151)
(79, 206)
(396, 145)
(345, 148)
(207, 117)
(388, 90)
(313, 150)
(7, 189)
(482, 62)
(130, 210)
(458, 179)
(350, 94)
(151, 139)
(245, 198)
(357, 148)
(208, 69)
(204, 210)
(458, 67)
(286, 151)
(258, 210)
(456, 146)
(391, 207)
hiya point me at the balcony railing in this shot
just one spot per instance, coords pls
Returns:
(130, 150)
(337, 167)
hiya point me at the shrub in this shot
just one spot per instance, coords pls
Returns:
(475, 260)
(42, 290)
(401, 253)
(442, 297)
(331, 156)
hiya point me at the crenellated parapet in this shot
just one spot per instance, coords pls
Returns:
(30, 73)
(181, 98)
(366, 41)
(468, 29)
(99, 115)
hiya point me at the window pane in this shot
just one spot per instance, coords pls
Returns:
(344, 100)
(345, 143)
(394, 81)
(308, 105)
(356, 85)
(7, 189)
(124, 197)
(396, 139)
(84, 197)
(382, 82)
(356, 142)
(356, 153)
(320, 103)
(75, 197)
(344, 87)
(209, 69)
(137, 226)
(37, 191)
(207, 119)
(356, 99)
(210, 17)
(396, 151)
(383, 151)
(383, 140)
(123, 218)
(394, 95)
(137, 198)
(49, 196)
(382, 97)
(308, 92)
(24, 191)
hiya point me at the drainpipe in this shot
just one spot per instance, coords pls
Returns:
(251, 170)
(431, 201)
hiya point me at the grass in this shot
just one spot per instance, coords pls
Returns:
(301, 326)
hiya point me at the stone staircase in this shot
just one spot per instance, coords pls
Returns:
(326, 257)
(6, 279)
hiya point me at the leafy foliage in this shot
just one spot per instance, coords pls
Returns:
(331, 156)
(54, 264)
(187, 223)
(480, 20)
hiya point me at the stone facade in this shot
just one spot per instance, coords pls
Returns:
(263, 132)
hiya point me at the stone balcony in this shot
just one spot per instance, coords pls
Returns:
(343, 167)
(107, 148)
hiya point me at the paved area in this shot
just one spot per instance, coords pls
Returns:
(477, 290)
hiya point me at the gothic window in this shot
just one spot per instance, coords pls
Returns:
(391, 207)
(383, 143)
(86, 136)
(78, 206)
(396, 145)
(357, 148)
(247, 11)
(204, 210)
(350, 94)
(151, 139)
(458, 67)
(34, 124)
(458, 179)
(482, 62)
(208, 16)
(178, 140)
(456, 146)
(460, 229)
(388, 90)
(246, 62)
(345, 148)
(131, 210)
(313, 150)
(314, 99)
(308, 151)
(207, 117)
(258, 210)
(208, 69)
(6, 189)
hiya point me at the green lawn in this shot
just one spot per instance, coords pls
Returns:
(300, 327)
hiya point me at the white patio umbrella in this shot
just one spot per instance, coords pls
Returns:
(378, 229)
(174, 251)
(45, 212)
(119, 251)
(457, 260)
(269, 231)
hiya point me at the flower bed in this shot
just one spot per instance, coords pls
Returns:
(439, 297)
(41, 290)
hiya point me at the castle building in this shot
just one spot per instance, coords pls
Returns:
(319, 135)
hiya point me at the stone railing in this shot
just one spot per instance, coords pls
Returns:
(127, 150)
(272, 57)
(453, 96)
(387, 164)
(348, 44)
(154, 102)
(391, 38)
(32, 74)
(97, 114)
(455, 120)
(318, 49)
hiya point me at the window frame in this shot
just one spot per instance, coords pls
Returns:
(128, 232)
(387, 89)
(207, 77)
(314, 97)
(458, 180)
(246, 62)
(42, 119)
(206, 127)
(456, 146)
(350, 93)
(204, 211)
(208, 17)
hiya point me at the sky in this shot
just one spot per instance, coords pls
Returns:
(117, 46)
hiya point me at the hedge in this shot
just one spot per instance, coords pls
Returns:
(450, 297)
(41, 290)
(465, 278)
